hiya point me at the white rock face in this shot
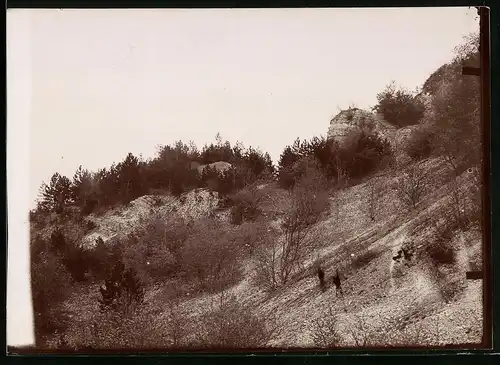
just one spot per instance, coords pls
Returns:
(351, 119)
(220, 166)
(194, 204)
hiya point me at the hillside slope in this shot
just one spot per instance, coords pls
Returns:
(384, 302)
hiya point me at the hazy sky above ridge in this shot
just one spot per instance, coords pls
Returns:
(108, 82)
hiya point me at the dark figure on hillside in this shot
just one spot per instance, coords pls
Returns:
(321, 277)
(336, 282)
(398, 256)
(407, 254)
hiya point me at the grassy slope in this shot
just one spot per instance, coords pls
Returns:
(375, 296)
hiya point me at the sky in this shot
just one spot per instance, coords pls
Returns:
(108, 82)
(85, 87)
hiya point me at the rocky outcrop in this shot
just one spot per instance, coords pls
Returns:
(220, 166)
(118, 222)
(353, 118)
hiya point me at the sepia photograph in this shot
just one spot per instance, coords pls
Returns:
(231, 180)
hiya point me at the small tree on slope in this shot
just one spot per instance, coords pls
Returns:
(122, 290)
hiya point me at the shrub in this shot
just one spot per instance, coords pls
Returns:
(361, 153)
(252, 236)
(465, 201)
(246, 204)
(229, 324)
(122, 291)
(176, 231)
(419, 144)
(375, 191)
(77, 261)
(154, 249)
(101, 256)
(441, 254)
(363, 259)
(91, 225)
(74, 257)
(236, 214)
(455, 114)
(57, 241)
(50, 284)
(89, 206)
(475, 190)
(361, 333)
(399, 107)
(277, 261)
(412, 186)
(439, 247)
(113, 331)
(209, 257)
(325, 332)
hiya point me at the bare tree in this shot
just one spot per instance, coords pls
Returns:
(475, 189)
(456, 118)
(375, 191)
(209, 256)
(412, 185)
(458, 207)
(284, 255)
(325, 333)
(267, 260)
(361, 332)
(309, 200)
(176, 320)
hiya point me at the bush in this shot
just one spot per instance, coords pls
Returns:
(91, 225)
(71, 252)
(289, 176)
(325, 332)
(281, 257)
(77, 261)
(399, 107)
(464, 207)
(419, 144)
(251, 236)
(236, 215)
(439, 248)
(361, 153)
(246, 204)
(375, 191)
(154, 249)
(122, 291)
(209, 256)
(89, 206)
(149, 253)
(228, 324)
(101, 257)
(412, 186)
(113, 331)
(457, 123)
(363, 259)
(50, 284)
(441, 254)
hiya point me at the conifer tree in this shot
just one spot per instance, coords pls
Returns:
(56, 195)
(122, 291)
